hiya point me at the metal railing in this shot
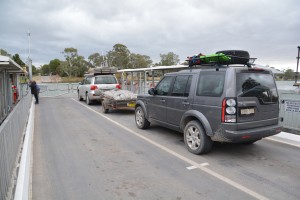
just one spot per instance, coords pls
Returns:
(57, 89)
(290, 111)
(11, 139)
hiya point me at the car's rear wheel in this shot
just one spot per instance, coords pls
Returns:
(237, 56)
(195, 138)
(87, 99)
(140, 118)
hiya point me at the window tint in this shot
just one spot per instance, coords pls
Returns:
(210, 84)
(257, 85)
(105, 80)
(88, 80)
(181, 86)
(164, 85)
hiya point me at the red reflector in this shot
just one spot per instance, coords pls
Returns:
(223, 110)
(256, 69)
(94, 87)
(246, 137)
(118, 86)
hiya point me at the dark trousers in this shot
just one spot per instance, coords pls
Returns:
(36, 96)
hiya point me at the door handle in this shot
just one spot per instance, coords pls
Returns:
(185, 103)
(162, 100)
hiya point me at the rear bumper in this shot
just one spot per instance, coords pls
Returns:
(246, 135)
(94, 97)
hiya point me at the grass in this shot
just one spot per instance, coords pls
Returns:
(71, 79)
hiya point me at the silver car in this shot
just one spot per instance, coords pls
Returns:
(91, 88)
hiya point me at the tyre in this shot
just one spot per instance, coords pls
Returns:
(87, 99)
(104, 108)
(140, 118)
(195, 138)
(79, 97)
(238, 56)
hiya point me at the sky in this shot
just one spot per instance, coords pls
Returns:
(268, 29)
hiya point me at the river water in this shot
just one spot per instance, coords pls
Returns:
(287, 85)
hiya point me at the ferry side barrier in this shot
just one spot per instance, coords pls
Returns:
(57, 89)
(139, 87)
(11, 138)
(290, 111)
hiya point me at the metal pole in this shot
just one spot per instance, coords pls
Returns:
(145, 83)
(29, 59)
(296, 75)
(131, 83)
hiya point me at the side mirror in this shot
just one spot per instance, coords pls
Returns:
(152, 91)
(80, 83)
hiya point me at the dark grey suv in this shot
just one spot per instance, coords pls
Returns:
(237, 104)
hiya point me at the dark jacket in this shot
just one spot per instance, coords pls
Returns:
(33, 87)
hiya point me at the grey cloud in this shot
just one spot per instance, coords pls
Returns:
(268, 29)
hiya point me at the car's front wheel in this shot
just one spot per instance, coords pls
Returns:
(140, 118)
(195, 138)
(79, 97)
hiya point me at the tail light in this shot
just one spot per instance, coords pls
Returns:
(229, 108)
(118, 86)
(94, 87)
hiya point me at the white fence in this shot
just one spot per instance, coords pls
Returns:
(11, 139)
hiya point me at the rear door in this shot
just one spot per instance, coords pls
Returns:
(105, 82)
(257, 99)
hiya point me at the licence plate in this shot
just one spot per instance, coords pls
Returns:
(131, 104)
(247, 111)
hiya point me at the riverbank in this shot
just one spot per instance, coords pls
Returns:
(56, 79)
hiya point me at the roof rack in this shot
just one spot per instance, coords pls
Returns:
(102, 71)
(219, 59)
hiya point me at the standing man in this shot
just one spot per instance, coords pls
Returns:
(34, 90)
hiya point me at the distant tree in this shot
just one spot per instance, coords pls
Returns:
(139, 61)
(76, 63)
(4, 53)
(45, 70)
(63, 68)
(289, 74)
(169, 59)
(119, 56)
(81, 66)
(54, 66)
(95, 60)
(18, 60)
(70, 55)
(35, 71)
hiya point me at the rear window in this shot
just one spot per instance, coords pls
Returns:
(210, 84)
(105, 80)
(261, 86)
